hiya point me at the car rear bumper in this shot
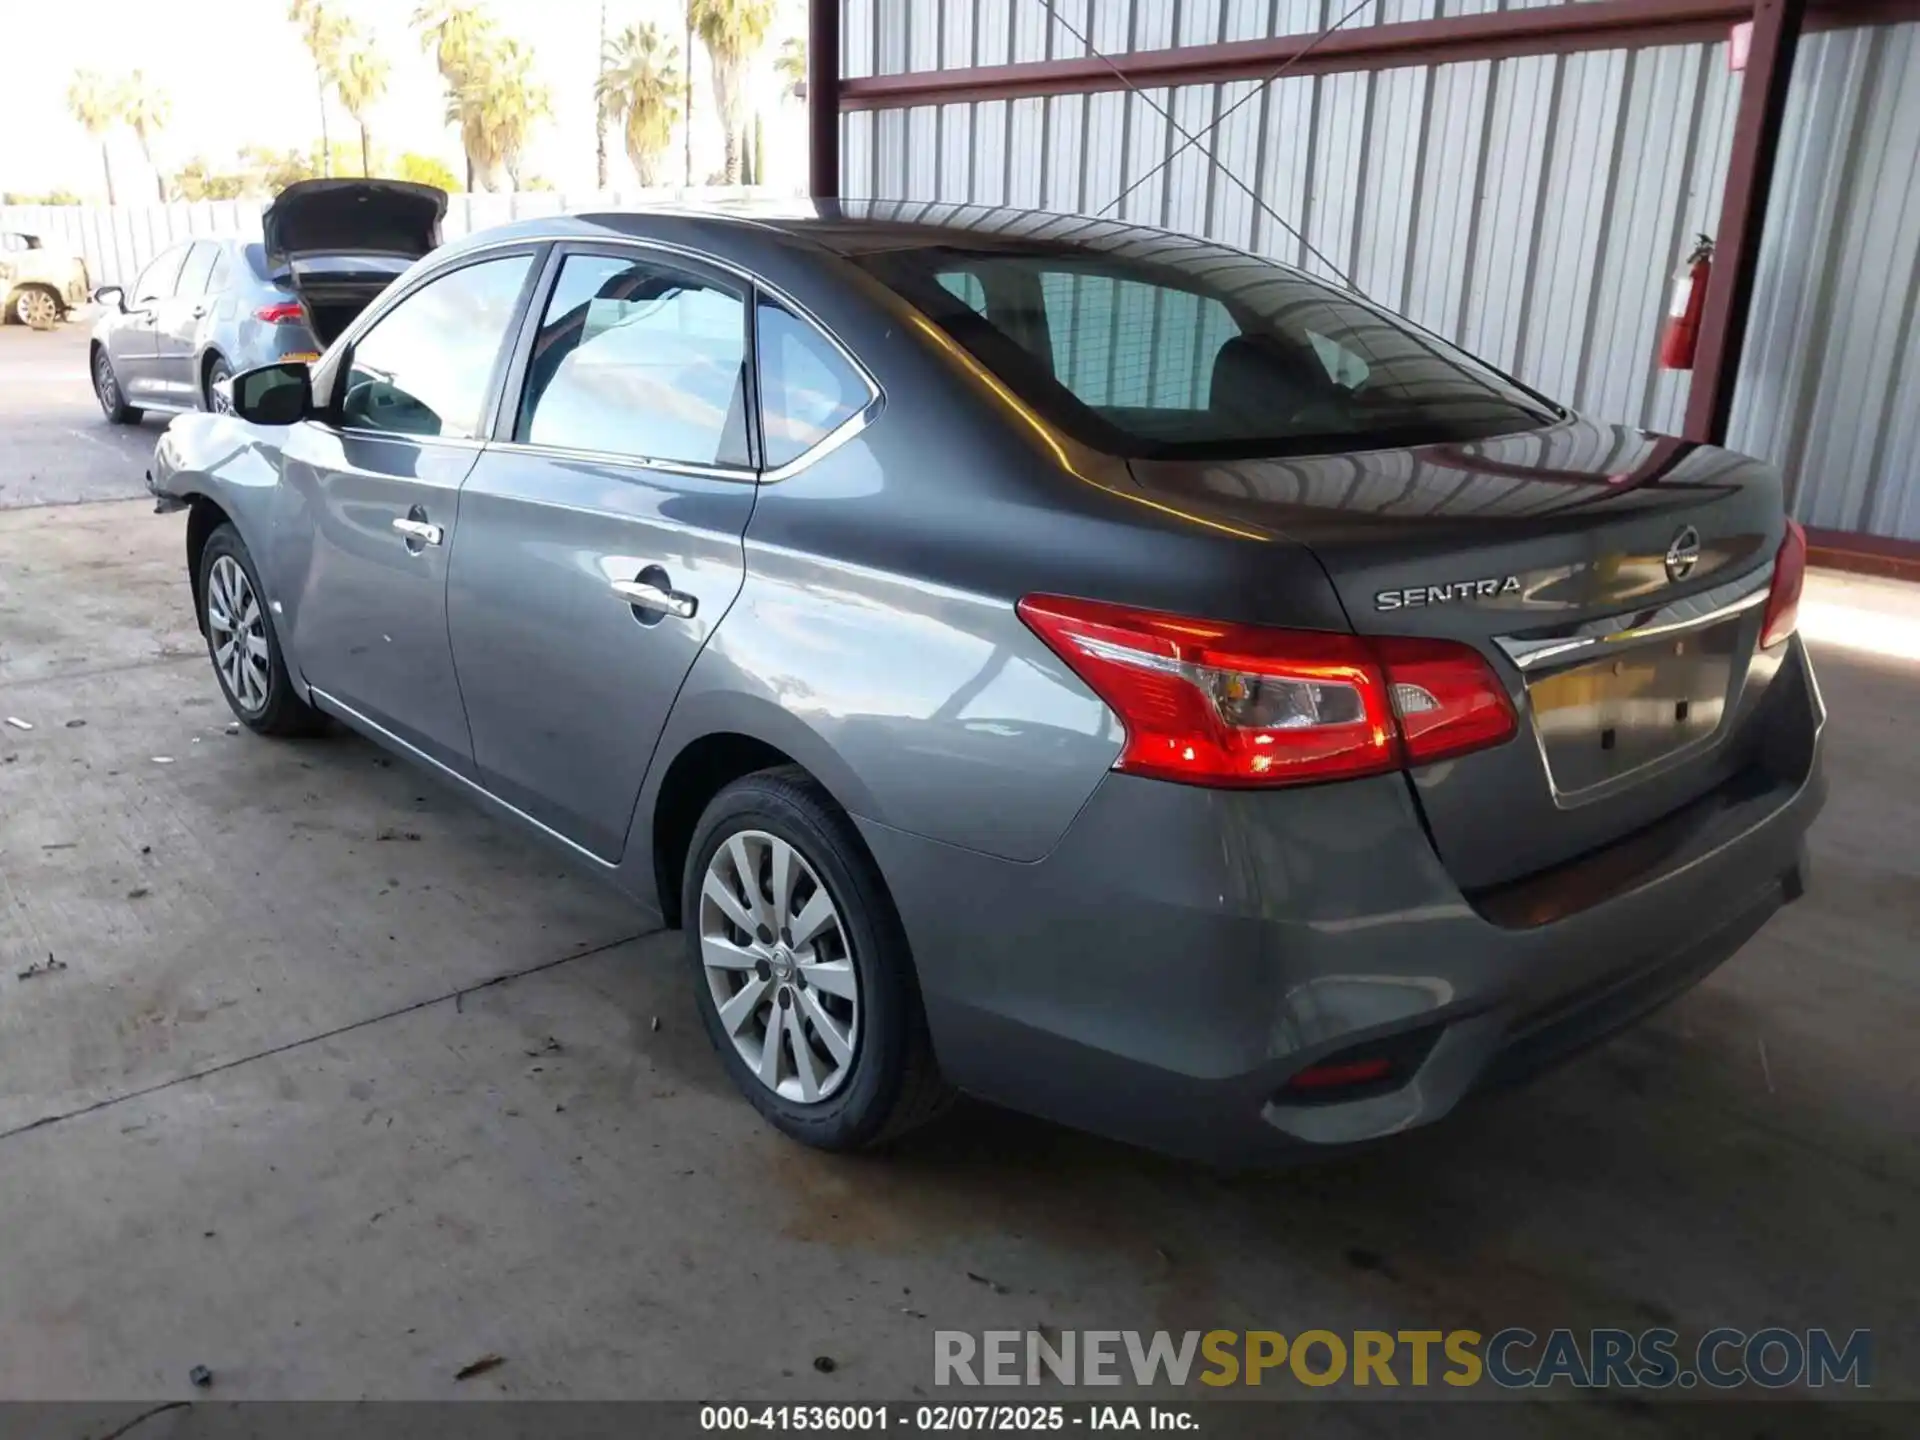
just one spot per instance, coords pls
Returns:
(1182, 953)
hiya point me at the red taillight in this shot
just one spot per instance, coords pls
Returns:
(1341, 1074)
(1214, 703)
(281, 312)
(1789, 574)
(1446, 699)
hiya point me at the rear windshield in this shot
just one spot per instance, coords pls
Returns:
(1201, 353)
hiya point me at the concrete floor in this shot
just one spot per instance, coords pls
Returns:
(333, 1110)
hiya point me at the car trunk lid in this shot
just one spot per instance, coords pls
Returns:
(1615, 580)
(336, 244)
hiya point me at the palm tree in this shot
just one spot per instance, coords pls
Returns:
(496, 108)
(600, 113)
(95, 103)
(146, 111)
(791, 66)
(459, 36)
(732, 30)
(325, 35)
(686, 130)
(361, 84)
(639, 89)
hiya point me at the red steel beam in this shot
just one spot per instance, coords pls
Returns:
(824, 99)
(1547, 30)
(1863, 554)
(1550, 29)
(1743, 211)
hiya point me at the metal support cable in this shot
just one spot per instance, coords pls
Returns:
(1191, 140)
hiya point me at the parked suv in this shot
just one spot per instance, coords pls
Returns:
(39, 283)
(203, 310)
(1105, 672)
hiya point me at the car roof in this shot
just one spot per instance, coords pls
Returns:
(856, 227)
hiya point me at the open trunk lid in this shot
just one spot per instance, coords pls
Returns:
(336, 244)
(1615, 580)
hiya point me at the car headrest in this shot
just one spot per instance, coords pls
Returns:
(1257, 381)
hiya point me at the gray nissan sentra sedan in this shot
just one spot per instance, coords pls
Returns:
(1077, 665)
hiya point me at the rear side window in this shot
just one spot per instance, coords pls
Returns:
(640, 358)
(1190, 351)
(193, 275)
(222, 274)
(807, 387)
(424, 367)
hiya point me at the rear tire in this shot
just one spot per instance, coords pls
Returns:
(37, 306)
(217, 370)
(838, 993)
(242, 644)
(106, 389)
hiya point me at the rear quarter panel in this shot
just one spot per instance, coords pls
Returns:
(876, 638)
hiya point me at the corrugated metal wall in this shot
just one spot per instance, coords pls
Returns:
(1533, 209)
(890, 37)
(1830, 379)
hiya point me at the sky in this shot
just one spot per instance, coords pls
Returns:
(237, 75)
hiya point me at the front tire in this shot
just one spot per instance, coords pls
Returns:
(106, 389)
(801, 967)
(242, 644)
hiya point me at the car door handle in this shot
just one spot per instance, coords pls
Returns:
(651, 597)
(420, 530)
(199, 312)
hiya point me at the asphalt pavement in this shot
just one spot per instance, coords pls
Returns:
(56, 448)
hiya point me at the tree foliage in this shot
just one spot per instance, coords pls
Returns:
(146, 110)
(95, 103)
(639, 90)
(733, 32)
(327, 36)
(362, 83)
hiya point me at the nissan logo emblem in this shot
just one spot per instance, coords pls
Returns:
(1683, 554)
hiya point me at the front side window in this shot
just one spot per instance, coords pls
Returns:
(807, 388)
(640, 358)
(1201, 353)
(425, 367)
(157, 280)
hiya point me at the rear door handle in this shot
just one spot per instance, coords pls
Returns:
(420, 530)
(651, 597)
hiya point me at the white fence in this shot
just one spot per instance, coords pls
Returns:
(116, 240)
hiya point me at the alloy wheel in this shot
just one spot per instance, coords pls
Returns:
(218, 400)
(104, 384)
(779, 963)
(38, 309)
(239, 633)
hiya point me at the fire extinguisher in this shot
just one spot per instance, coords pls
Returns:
(1689, 300)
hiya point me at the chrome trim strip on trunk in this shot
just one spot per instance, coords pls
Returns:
(1593, 639)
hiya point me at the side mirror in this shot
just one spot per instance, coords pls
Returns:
(111, 295)
(273, 394)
